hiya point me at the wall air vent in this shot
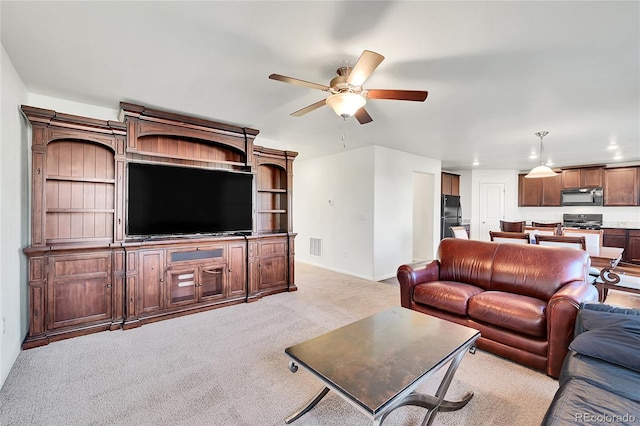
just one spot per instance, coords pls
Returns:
(315, 246)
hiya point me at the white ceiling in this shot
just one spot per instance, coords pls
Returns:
(496, 72)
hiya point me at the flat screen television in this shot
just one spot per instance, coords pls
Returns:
(174, 200)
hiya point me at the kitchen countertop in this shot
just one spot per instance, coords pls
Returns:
(621, 225)
(610, 225)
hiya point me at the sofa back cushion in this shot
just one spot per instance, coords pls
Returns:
(537, 271)
(529, 270)
(466, 261)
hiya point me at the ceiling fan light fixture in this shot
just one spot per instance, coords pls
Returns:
(346, 104)
(541, 171)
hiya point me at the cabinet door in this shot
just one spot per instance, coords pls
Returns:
(273, 271)
(614, 238)
(79, 289)
(150, 281)
(633, 247)
(445, 184)
(528, 191)
(551, 191)
(237, 270)
(211, 282)
(591, 177)
(455, 185)
(621, 186)
(571, 178)
(273, 263)
(181, 286)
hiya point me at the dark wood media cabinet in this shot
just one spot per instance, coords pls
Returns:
(87, 275)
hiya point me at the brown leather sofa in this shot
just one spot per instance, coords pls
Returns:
(522, 298)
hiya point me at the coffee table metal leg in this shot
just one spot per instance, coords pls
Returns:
(434, 403)
(295, 416)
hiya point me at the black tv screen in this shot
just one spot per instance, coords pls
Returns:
(166, 200)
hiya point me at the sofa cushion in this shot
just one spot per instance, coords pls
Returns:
(466, 261)
(617, 342)
(579, 402)
(611, 377)
(537, 271)
(512, 311)
(449, 296)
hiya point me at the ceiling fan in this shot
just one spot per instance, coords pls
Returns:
(347, 96)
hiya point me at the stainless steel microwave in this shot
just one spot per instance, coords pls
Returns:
(582, 197)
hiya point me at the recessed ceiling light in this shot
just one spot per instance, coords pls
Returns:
(475, 162)
(618, 156)
(612, 146)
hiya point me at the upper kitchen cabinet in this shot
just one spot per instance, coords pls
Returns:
(539, 192)
(450, 184)
(622, 186)
(583, 177)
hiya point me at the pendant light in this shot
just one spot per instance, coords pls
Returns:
(541, 171)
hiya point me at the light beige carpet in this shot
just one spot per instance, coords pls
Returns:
(228, 367)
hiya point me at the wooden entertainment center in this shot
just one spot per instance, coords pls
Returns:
(86, 274)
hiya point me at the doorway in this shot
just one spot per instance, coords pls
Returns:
(423, 219)
(491, 208)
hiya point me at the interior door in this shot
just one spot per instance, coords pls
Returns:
(491, 208)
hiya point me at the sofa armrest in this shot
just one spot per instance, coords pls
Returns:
(562, 310)
(409, 277)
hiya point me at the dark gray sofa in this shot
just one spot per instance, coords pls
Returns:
(600, 377)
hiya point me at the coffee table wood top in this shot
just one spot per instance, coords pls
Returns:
(373, 360)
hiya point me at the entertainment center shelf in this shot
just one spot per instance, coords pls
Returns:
(91, 265)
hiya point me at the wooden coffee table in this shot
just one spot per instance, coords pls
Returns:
(377, 363)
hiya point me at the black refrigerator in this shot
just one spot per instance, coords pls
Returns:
(450, 214)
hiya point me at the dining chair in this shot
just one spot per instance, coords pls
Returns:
(534, 232)
(556, 225)
(593, 237)
(574, 241)
(459, 232)
(563, 241)
(509, 237)
(507, 226)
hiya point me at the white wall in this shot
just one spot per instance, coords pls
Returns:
(14, 215)
(333, 199)
(367, 230)
(75, 108)
(393, 208)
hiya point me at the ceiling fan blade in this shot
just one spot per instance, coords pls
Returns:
(309, 108)
(399, 95)
(366, 64)
(363, 116)
(298, 82)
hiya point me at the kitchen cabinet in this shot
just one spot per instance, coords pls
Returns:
(584, 177)
(628, 239)
(622, 186)
(450, 184)
(633, 247)
(539, 192)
